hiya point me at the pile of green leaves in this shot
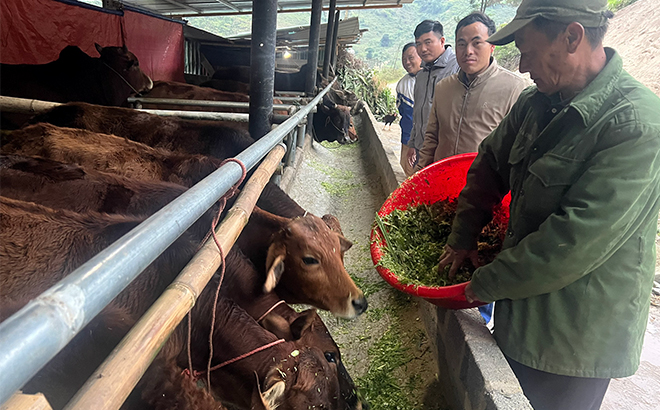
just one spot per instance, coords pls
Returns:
(355, 76)
(415, 239)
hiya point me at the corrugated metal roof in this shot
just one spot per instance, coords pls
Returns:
(192, 8)
(349, 32)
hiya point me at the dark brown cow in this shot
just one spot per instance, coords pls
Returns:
(110, 154)
(213, 138)
(292, 375)
(219, 139)
(75, 76)
(302, 260)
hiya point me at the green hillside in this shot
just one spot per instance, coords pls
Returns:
(389, 29)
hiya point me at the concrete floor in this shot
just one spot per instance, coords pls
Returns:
(638, 392)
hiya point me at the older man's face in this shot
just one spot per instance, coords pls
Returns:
(411, 61)
(546, 61)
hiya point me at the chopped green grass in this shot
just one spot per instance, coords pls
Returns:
(415, 239)
(339, 188)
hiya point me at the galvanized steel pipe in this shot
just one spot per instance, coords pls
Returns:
(37, 332)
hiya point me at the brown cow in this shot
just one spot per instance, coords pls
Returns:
(213, 138)
(40, 246)
(183, 91)
(75, 76)
(110, 154)
(302, 260)
(68, 186)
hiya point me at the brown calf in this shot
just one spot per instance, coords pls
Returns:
(243, 284)
(292, 375)
(110, 154)
(302, 259)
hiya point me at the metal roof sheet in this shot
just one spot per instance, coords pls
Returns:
(193, 8)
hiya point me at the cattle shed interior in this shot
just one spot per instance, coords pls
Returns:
(401, 350)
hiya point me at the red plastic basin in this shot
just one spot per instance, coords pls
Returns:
(441, 180)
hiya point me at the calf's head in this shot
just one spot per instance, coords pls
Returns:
(126, 64)
(308, 329)
(339, 118)
(312, 255)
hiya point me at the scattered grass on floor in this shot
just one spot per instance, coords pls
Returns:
(339, 188)
(334, 145)
(331, 171)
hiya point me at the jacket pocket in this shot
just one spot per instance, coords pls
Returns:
(546, 183)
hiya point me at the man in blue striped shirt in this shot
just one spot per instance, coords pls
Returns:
(405, 90)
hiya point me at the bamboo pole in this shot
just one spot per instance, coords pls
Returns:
(113, 381)
(25, 105)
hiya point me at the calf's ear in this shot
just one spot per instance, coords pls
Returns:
(278, 326)
(302, 323)
(344, 243)
(275, 266)
(274, 389)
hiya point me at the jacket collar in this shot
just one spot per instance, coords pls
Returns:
(480, 78)
(442, 61)
(589, 101)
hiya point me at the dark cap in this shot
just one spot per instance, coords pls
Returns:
(589, 13)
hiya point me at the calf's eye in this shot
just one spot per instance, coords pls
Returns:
(330, 357)
(308, 260)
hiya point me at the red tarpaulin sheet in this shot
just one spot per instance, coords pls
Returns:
(35, 31)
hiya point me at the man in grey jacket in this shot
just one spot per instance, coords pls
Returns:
(439, 62)
(470, 104)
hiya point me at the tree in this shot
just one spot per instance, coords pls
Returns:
(385, 41)
(483, 4)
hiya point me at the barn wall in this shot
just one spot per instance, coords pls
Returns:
(35, 31)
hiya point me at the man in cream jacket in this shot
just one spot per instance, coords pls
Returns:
(471, 103)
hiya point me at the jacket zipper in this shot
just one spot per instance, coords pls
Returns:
(460, 120)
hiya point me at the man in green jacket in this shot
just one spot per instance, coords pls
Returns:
(580, 153)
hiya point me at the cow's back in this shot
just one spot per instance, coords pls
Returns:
(176, 90)
(219, 139)
(40, 246)
(59, 185)
(109, 153)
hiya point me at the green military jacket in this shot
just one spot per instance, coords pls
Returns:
(573, 282)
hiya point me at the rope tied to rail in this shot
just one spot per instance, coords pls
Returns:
(222, 202)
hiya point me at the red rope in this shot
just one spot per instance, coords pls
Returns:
(222, 202)
(243, 356)
(269, 310)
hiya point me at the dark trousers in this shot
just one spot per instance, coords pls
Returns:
(547, 391)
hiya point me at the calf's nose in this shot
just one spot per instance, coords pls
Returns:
(360, 304)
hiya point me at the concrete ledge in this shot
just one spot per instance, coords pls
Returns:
(471, 367)
(387, 165)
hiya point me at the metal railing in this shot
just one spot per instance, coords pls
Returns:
(37, 332)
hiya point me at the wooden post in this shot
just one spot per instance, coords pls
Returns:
(113, 381)
(21, 401)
